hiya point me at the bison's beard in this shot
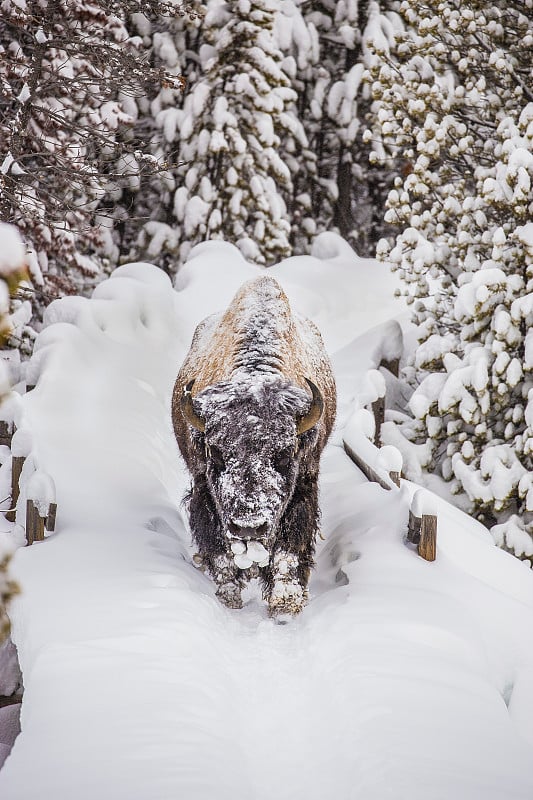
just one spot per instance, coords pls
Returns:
(206, 526)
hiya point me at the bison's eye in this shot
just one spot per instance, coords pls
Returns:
(282, 462)
(215, 457)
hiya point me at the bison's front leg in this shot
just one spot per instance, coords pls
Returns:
(207, 533)
(287, 594)
(226, 576)
(286, 579)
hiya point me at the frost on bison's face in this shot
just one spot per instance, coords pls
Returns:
(253, 506)
(252, 454)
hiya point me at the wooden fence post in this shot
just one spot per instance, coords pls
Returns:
(413, 531)
(34, 523)
(17, 462)
(422, 529)
(6, 434)
(50, 519)
(395, 477)
(427, 547)
(378, 409)
(30, 524)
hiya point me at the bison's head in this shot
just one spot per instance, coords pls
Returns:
(252, 435)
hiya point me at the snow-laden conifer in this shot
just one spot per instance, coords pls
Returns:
(321, 51)
(238, 122)
(348, 192)
(454, 108)
(149, 229)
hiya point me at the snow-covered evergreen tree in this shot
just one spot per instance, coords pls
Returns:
(349, 192)
(238, 123)
(149, 228)
(455, 109)
(297, 38)
(319, 47)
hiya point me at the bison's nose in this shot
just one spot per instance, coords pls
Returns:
(240, 532)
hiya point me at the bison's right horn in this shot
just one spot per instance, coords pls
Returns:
(314, 413)
(188, 411)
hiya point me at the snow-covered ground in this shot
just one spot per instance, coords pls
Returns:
(401, 679)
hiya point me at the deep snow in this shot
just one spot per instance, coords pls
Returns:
(401, 679)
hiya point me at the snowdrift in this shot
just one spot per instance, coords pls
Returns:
(400, 679)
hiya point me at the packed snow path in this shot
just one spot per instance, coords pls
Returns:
(401, 679)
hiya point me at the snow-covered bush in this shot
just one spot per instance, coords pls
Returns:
(69, 72)
(454, 111)
(8, 589)
(14, 308)
(13, 270)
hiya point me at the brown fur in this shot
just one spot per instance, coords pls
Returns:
(211, 358)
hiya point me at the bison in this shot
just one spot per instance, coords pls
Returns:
(253, 406)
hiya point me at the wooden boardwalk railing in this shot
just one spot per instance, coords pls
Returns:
(366, 455)
(36, 521)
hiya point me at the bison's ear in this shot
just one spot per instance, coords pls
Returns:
(314, 413)
(187, 409)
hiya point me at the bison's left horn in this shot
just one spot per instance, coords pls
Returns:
(314, 413)
(188, 411)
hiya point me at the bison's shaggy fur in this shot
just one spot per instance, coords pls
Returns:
(251, 436)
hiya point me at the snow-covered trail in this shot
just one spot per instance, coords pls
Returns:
(395, 682)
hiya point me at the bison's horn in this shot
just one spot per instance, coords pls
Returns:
(188, 411)
(314, 413)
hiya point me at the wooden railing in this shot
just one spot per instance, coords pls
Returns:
(422, 528)
(39, 516)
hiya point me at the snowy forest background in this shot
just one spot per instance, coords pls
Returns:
(134, 130)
